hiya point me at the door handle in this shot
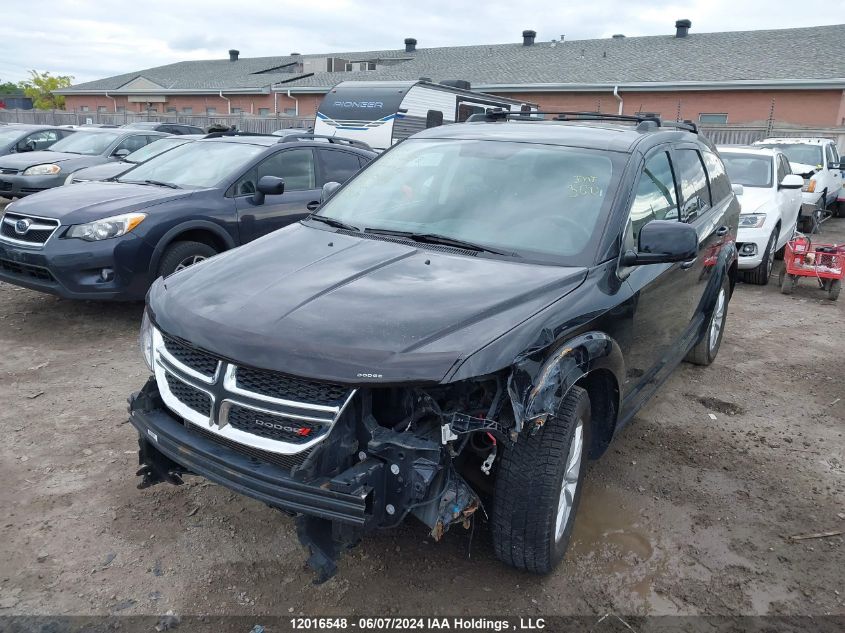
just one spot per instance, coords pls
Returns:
(312, 205)
(722, 230)
(688, 264)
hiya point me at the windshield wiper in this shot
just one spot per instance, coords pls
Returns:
(434, 238)
(335, 223)
(157, 183)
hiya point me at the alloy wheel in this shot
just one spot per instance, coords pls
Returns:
(189, 261)
(570, 480)
(717, 320)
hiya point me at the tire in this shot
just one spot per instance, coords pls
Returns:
(839, 210)
(705, 351)
(833, 291)
(761, 274)
(531, 528)
(180, 255)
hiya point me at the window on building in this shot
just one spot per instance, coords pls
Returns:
(695, 193)
(152, 109)
(264, 111)
(171, 109)
(102, 109)
(121, 108)
(645, 113)
(187, 110)
(706, 117)
(83, 108)
(290, 111)
(237, 110)
(211, 111)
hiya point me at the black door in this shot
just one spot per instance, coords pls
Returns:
(301, 196)
(662, 292)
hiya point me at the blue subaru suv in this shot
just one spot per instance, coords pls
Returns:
(112, 239)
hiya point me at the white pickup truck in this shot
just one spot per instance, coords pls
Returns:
(817, 160)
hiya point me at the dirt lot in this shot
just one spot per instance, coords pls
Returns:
(688, 513)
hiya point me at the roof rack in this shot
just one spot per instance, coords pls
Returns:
(232, 133)
(645, 121)
(339, 140)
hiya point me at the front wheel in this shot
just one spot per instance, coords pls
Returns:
(706, 349)
(180, 255)
(833, 291)
(538, 488)
(760, 275)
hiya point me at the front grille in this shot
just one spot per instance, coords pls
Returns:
(9, 170)
(198, 361)
(290, 388)
(273, 427)
(39, 231)
(190, 396)
(25, 270)
(257, 456)
(5, 185)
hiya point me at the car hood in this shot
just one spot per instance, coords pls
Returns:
(328, 306)
(753, 199)
(101, 172)
(87, 201)
(68, 162)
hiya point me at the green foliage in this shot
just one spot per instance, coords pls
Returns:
(9, 88)
(40, 86)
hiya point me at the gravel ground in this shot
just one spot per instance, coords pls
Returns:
(689, 512)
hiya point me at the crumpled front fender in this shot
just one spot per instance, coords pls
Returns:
(540, 381)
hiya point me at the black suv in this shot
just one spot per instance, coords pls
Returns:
(459, 327)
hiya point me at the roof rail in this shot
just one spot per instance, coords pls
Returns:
(232, 133)
(339, 140)
(645, 121)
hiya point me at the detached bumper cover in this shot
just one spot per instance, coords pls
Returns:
(263, 481)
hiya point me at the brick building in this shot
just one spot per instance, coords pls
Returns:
(791, 76)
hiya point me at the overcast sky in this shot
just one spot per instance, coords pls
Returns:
(91, 39)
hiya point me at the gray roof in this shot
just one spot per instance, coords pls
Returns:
(803, 56)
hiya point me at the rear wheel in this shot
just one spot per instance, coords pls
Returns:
(839, 209)
(761, 274)
(180, 255)
(707, 348)
(833, 291)
(538, 488)
(787, 283)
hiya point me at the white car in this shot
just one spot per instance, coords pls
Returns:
(770, 197)
(817, 161)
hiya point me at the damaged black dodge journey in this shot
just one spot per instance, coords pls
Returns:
(451, 335)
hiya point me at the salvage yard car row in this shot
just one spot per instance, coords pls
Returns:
(449, 333)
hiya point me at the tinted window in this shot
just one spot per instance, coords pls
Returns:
(749, 170)
(720, 185)
(295, 166)
(695, 195)
(338, 166)
(656, 198)
(133, 143)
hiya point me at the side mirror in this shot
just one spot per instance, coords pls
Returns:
(433, 118)
(268, 186)
(791, 181)
(121, 153)
(328, 190)
(738, 189)
(28, 146)
(840, 165)
(662, 242)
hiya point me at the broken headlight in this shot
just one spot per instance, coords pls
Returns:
(146, 340)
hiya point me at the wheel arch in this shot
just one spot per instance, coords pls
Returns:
(201, 231)
(592, 360)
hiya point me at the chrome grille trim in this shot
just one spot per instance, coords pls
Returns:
(222, 387)
(40, 224)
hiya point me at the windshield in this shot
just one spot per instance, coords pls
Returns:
(528, 199)
(90, 143)
(800, 152)
(154, 149)
(748, 170)
(195, 165)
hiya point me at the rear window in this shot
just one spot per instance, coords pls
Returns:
(749, 170)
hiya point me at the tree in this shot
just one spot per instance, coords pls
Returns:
(40, 86)
(9, 88)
